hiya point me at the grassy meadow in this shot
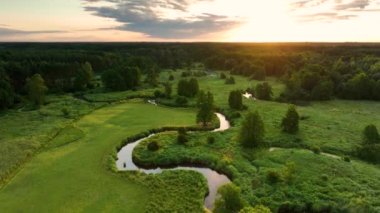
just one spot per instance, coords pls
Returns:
(62, 160)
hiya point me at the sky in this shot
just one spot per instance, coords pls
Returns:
(190, 20)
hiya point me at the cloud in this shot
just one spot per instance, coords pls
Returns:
(328, 17)
(162, 18)
(332, 10)
(14, 32)
(356, 4)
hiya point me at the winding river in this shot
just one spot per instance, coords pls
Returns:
(214, 179)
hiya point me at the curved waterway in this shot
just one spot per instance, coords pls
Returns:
(214, 179)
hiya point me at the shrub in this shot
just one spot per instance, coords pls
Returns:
(210, 140)
(347, 158)
(181, 101)
(171, 78)
(325, 177)
(153, 146)
(290, 121)
(230, 80)
(65, 112)
(273, 176)
(256, 209)
(223, 76)
(182, 136)
(158, 94)
(230, 199)
(316, 149)
(371, 135)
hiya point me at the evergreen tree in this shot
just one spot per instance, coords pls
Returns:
(84, 76)
(122, 78)
(290, 121)
(252, 131)
(235, 100)
(371, 135)
(36, 89)
(230, 80)
(152, 76)
(188, 88)
(182, 88)
(193, 87)
(6, 91)
(168, 90)
(206, 107)
(264, 91)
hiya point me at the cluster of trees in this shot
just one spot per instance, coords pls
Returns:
(370, 146)
(347, 79)
(252, 131)
(188, 88)
(123, 77)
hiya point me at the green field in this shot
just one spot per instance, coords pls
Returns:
(75, 178)
(62, 163)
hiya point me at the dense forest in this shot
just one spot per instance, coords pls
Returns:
(303, 122)
(310, 71)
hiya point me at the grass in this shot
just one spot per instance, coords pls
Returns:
(23, 133)
(74, 177)
(71, 173)
(345, 182)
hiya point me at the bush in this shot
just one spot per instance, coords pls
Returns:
(181, 101)
(325, 177)
(65, 112)
(347, 158)
(171, 78)
(210, 140)
(182, 136)
(229, 200)
(223, 76)
(153, 146)
(316, 149)
(158, 94)
(273, 176)
(230, 80)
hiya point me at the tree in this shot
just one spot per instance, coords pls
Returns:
(84, 76)
(122, 78)
(370, 147)
(182, 136)
(182, 88)
(36, 89)
(193, 87)
(168, 90)
(252, 131)
(264, 91)
(188, 88)
(230, 199)
(230, 80)
(205, 105)
(323, 91)
(371, 135)
(235, 100)
(290, 122)
(152, 76)
(7, 93)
